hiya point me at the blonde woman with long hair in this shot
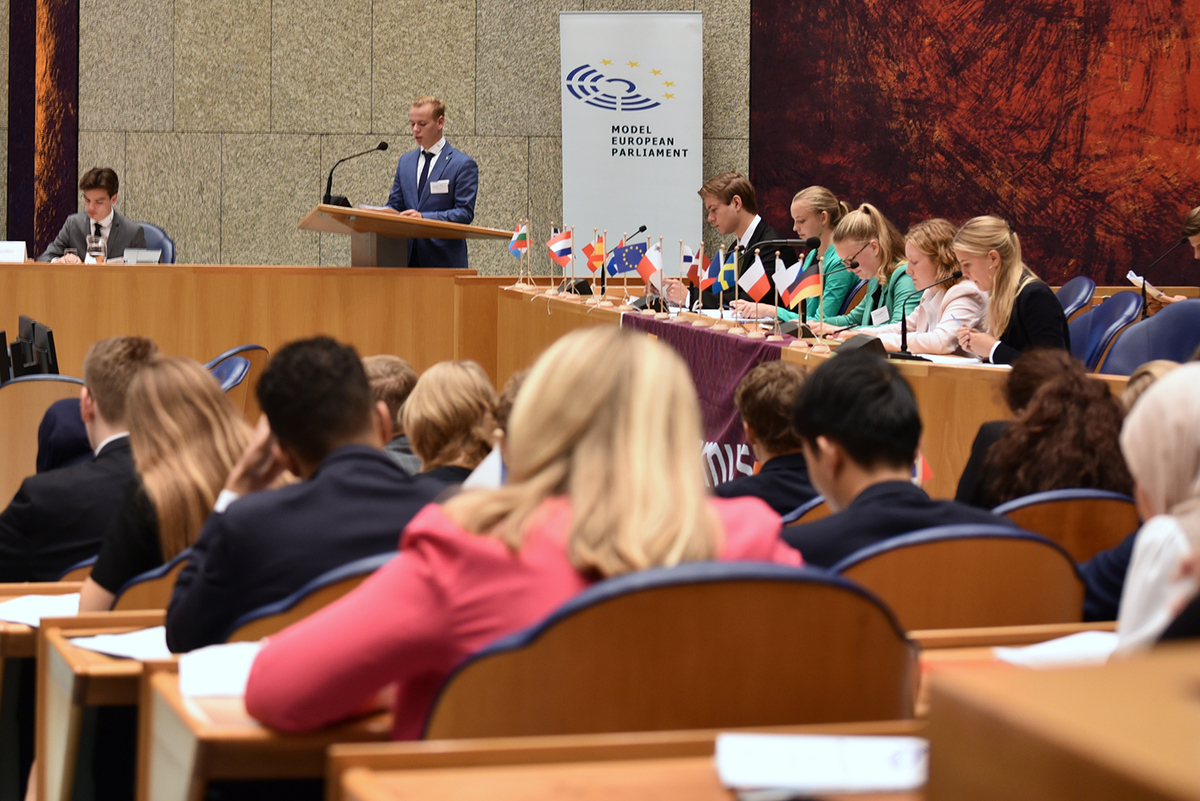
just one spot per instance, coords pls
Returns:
(186, 435)
(873, 249)
(933, 327)
(605, 477)
(1022, 312)
(450, 419)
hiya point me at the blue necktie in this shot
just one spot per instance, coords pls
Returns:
(424, 172)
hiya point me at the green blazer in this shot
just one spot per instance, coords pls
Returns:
(900, 285)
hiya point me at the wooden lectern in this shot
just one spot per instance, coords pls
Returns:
(380, 238)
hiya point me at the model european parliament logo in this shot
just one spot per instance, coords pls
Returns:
(620, 86)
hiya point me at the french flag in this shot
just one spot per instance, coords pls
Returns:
(754, 281)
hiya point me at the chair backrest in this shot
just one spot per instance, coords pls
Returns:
(320, 592)
(970, 576)
(1083, 521)
(1104, 323)
(1172, 333)
(23, 402)
(243, 392)
(79, 571)
(702, 645)
(807, 512)
(231, 372)
(157, 239)
(152, 589)
(1076, 295)
(854, 297)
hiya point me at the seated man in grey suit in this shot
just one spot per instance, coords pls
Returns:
(99, 186)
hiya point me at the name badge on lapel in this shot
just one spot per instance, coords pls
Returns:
(880, 316)
(439, 187)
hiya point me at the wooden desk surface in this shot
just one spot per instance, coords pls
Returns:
(1128, 730)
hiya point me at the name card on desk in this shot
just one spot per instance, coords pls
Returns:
(142, 256)
(13, 253)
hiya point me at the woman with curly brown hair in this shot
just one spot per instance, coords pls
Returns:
(1067, 436)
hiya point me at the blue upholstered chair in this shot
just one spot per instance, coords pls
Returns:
(810, 510)
(1094, 331)
(1075, 295)
(79, 571)
(231, 372)
(970, 576)
(854, 296)
(321, 591)
(157, 239)
(698, 646)
(1172, 333)
(1083, 521)
(152, 589)
(239, 377)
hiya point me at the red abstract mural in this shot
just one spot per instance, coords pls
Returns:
(1072, 119)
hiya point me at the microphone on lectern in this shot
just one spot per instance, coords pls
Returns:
(331, 199)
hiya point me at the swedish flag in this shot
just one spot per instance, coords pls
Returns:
(727, 280)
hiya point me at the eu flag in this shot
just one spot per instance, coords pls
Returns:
(626, 258)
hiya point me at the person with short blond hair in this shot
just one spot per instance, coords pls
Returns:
(450, 419)
(764, 399)
(392, 380)
(436, 181)
(58, 518)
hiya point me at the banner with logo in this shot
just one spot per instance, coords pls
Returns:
(632, 125)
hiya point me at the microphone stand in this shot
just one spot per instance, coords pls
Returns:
(331, 199)
(604, 268)
(1183, 241)
(903, 354)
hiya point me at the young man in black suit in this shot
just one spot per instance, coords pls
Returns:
(57, 518)
(260, 545)
(764, 399)
(858, 423)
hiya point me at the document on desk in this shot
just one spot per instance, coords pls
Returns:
(217, 669)
(141, 645)
(963, 361)
(30, 609)
(771, 766)
(1075, 650)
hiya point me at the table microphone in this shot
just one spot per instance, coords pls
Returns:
(340, 200)
(904, 355)
(1182, 241)
(811, 243)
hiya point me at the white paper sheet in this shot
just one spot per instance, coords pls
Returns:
(960, 361)
(821, 763)
(217, 669)
(30, 609)
(142, 644)
(1084, 648)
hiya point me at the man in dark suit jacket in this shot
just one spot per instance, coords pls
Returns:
(57, 518)
(352, 503)
(99, 186)
(859, 425)
(764, 399)
(436, 182)
(732, 209)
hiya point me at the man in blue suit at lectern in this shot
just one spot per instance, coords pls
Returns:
(437, 182)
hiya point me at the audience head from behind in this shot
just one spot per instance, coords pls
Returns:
(108, 369)
(928, 247)
(186, 435)
(392, 380)
(450, 418)
(764, 399)
(609, 421)
(1065, 436)
(869, 244)
(989, 253)
(315, 395)
(858, 424)
(1142, 378)
(1161, 443)
(504, 406)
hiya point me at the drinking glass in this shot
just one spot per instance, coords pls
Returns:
(96, 248)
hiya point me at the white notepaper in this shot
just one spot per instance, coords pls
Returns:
(217, 669)
(1084, 648)
(814, 764)
(30, 609)
(142, 644)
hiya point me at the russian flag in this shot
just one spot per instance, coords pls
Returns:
(807, 284)
(754, 280)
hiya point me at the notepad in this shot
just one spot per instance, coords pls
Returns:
(1075, 650)
(30, 609)
(1137, 281)
(217, 669)
(142, 644)
(800, 763)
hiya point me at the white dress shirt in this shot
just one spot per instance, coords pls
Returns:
(436, 150)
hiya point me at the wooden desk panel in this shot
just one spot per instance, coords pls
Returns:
(528, 324)
(476, 298)
(202, 310)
